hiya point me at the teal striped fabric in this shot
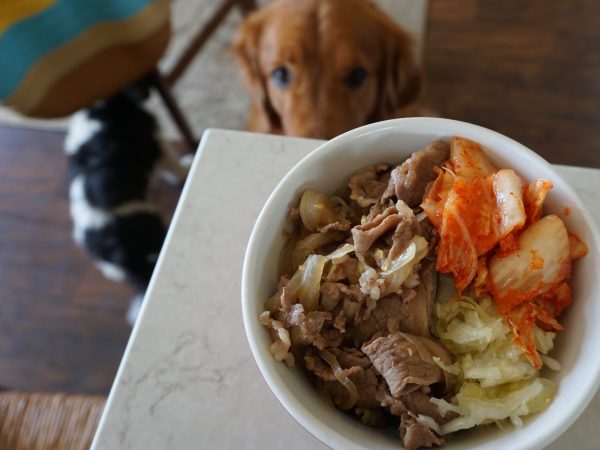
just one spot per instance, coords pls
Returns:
(28, 41)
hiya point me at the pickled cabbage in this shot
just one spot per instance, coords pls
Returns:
(508, 188)
(535, 268)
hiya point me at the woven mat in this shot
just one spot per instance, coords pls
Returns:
(210, 92)
(33, 421)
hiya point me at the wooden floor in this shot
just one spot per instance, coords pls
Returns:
(62, 325)
(529, 69)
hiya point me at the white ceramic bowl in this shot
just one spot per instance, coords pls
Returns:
(327, 168)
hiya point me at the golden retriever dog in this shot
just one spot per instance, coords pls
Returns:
(317, 68)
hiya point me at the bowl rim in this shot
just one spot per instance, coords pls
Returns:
(297, 410)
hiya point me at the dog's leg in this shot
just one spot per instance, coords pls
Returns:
(134, 308)
(174, 169)
(81, 129)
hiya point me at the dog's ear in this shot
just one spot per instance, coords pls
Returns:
(246, 47)
(400, 73)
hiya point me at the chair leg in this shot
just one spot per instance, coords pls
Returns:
(247, 6)
(161, 85)
(199, 41)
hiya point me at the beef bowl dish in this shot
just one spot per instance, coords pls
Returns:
(421, 283)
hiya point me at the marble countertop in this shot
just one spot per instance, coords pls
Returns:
(187, 379)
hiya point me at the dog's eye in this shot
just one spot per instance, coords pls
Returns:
(356, 78)
(281, 77)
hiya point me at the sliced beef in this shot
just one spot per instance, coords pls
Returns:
(373, 417)
(356, 366)
(367, 184)
(419, 403)
(416, 435)
(366, 382)
(340, 322)
(346, 269)
(307, 328)
(407, 229)
(398, 218)
(317, 366)
(330, 294)
(350, 357)
(419, 311)
(368, 346)
(394, 405)
(378, 208)
(388, 311)
(404, 232)
(410, 313)
(406, 361)
(409, 180)
(353, 292)
(328, 338)
(365, 235)
(335, 226)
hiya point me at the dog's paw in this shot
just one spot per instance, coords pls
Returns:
(174, 169)
(187, 160)
(134, 309)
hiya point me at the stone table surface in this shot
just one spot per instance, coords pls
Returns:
(187, 379)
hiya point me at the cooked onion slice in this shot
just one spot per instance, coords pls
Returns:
(341, 251)
(310, 282)
(311, 243)
(332, 361)
(316, 210)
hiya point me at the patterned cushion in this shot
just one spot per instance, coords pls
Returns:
(60, 55)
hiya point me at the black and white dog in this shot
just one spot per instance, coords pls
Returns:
(114, 152)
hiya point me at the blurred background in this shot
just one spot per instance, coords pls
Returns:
(529, 69)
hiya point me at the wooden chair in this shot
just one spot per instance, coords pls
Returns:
(90, 49)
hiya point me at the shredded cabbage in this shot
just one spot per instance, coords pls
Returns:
(544, 340)
(509, 401)
(467, 326)
(498, 381)
(502, 362)
(443, 406)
